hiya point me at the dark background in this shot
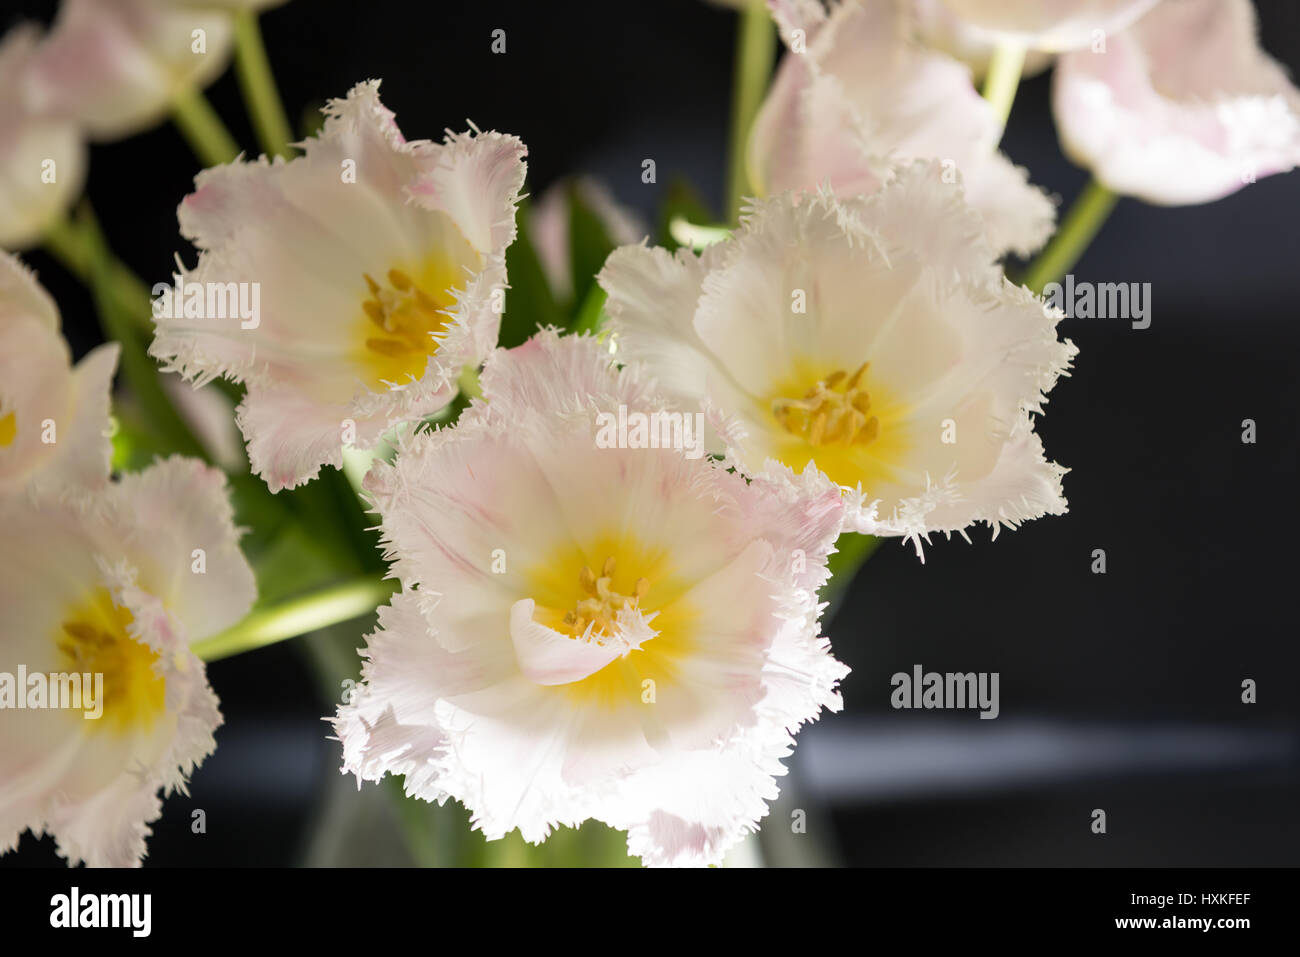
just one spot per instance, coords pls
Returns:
(1119, 691)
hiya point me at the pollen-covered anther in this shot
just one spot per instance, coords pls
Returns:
(836, 410)
(405, 313)
(599, 610)
(94, 639)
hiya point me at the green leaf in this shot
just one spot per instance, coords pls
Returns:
(681, 200)
(530, 302)
(589, 246)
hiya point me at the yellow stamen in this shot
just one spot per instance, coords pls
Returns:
(94, 639)
(835, 411)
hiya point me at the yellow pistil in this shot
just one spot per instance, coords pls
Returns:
(835, 411)
(572, 592)
(8, 430)
(401, 316)
(600, 608)
(851, 426)
(93, 639)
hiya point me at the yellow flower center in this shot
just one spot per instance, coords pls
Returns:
(570, 597)
(835, 411)
(848, 425)
(8, 429)
(93, 639)
(401, 316)
(600, 608)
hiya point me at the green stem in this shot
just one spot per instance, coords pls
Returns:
(851, 552)
(755, 54)
(1077, 230)
(332, 605)
(1003, 77)
(591, 312)
(65, 242)
(202, 128)
(258, 85)
(119, 325)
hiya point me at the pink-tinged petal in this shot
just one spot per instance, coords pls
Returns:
(1182, 108)
(475, 690)
(475, 178)
(864, 96)
(54, 418)
(898, 287)
(547, 657)
(181, 507)
(42, 157)
(124, 552)
(373, 293)
(550, 233)
(116, 66)
(937, 27)
(1053, 25)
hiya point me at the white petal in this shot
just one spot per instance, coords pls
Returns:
(42, 157)
(1050, 24)
(865, 95)
(361, 207)
(54, 419)
(115, 66)
(1181, 108)
(471, 693)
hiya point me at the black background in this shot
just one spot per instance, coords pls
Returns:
(1199, 529)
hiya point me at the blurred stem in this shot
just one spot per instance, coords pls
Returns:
(755, 54)
(258, 85)
(589, 315)
(1003, 77)
(1080, 225)
(202, 128)
(851, 552)
(64, 241)
(115, 319)
(329, 606)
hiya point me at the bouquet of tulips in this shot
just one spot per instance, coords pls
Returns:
(600, 489)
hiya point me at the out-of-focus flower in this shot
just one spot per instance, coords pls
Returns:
(937, 27)
(54, 423)
(223, 4)
(210, 414)
(1182, 107)
(588, 630)
(371, 271)
(870, 337)
(42, 157)
(863, 97)
(550, 226)
(1053, 25)
(117, 66)
(112, 587)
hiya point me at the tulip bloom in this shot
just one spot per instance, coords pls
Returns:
(1182, 107)
(872, 338)
(54, 423)
(375, 269)
(111, 587)
(855, 96)
(586, 630)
